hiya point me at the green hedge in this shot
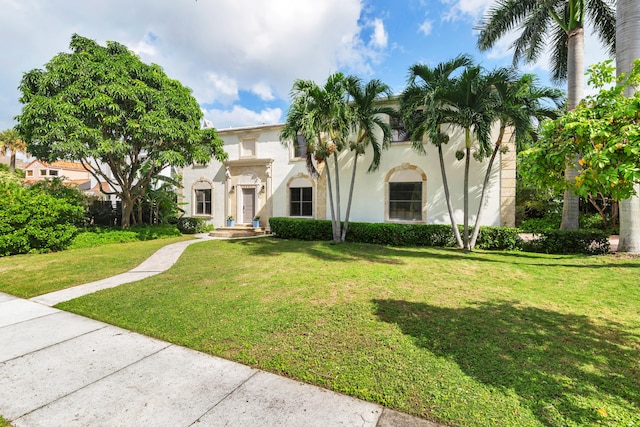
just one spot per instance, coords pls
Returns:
(98, 236)
(590, 242)
(393, 234)
(190, 225)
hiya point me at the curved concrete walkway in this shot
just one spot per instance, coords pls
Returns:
(61, 369)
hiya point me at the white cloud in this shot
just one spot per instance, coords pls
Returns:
(218, 48)
(426, 27)
(465, 9)
(221, 88)
(263, 90)
(239, 116)
(379, 38)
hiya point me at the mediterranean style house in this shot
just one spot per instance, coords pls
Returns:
(266, 178)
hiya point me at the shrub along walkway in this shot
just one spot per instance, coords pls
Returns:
(58, 368)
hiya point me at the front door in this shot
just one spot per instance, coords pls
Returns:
(248, 205)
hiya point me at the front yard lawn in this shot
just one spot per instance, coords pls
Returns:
(483, 339)
(35, 274)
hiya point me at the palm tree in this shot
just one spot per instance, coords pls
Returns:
(10, 140)
(320, 115)
(422, 109)
(520, 105)
(628, 37)
(564, 20)
(470, 105)
(367, 115)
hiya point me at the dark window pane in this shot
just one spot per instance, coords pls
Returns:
(405, 201)
(301, 201)
(300, 147)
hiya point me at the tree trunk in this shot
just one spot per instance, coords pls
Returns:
(338, 213)
(334, 232)
(127, 210)
(628, 49)
(12, 161)
(346, 215)
(575, 93)
(487, 175)
(447, 196)
(467, 162)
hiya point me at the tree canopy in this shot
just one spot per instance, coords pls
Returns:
(603, 132)
(102, 106)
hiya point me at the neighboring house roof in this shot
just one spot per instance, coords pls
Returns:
(102, 186)
(59, 164)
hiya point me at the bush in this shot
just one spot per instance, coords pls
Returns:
(393, 234)
(550, 221)
(499, 238)
(31, 220)
(190, 225)
(590, 242)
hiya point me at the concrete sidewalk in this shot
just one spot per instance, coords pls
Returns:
(61, 369)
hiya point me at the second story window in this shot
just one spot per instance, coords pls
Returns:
(300, 147)
(398, 131)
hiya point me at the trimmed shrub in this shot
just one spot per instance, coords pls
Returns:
(190, 225)
(31, 220)
(393, 234)
(589, 242)
(499, 238)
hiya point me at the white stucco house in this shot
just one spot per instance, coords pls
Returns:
(265, 178)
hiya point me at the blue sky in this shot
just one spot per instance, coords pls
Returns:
(240, 57)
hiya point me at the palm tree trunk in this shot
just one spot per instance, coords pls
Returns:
(333, 213)
(575, 93)
(338, 213)
(447, 196)
(346, 215)
(467, 161)
(628, 49)
(476, 228)
(12, 161)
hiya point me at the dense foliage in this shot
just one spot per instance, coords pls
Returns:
(104, 107)
(33, 220)
(97, 236)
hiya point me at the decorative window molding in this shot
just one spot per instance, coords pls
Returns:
(202, 198)
(301, 197)
(405, 194)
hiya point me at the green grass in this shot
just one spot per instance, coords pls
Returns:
(483, 339)
(35, 274)
(4, 423)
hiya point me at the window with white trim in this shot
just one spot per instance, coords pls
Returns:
(301, 197)
(202, 200)
(398, 131)
(405, 195)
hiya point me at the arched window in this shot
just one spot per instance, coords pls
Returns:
(406, 194)
(300, 191)
(202, 198)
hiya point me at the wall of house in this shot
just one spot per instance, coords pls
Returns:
(270, 168)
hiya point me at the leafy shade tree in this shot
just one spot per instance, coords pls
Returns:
(628, 39)
(102, 106)
(367, 117)
(603, 131)
(423, 109)
(318, 114)
(10, 141)
(560, 23)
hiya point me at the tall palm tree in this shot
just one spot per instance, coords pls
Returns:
(471, 105)
(564, 20)
(628, 39)
(320, 115)
(10, 140)
(422, 108)
(522, 106)
(367, 115)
